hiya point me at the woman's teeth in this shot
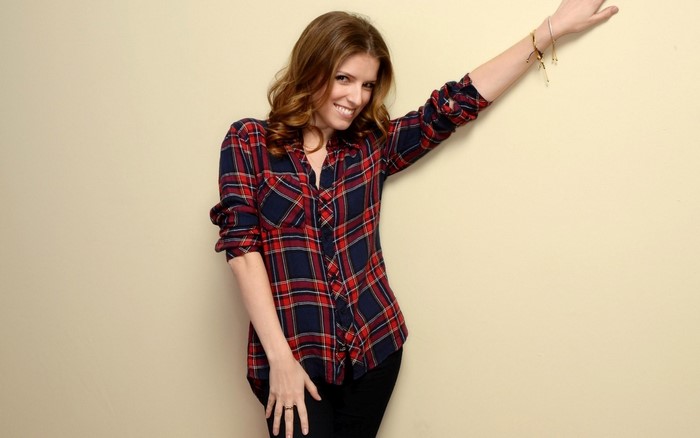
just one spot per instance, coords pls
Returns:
(344, 111)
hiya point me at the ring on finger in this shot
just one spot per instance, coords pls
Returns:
(288, 408)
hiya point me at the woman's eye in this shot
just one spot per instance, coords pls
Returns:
(341, 78)
(368, 85)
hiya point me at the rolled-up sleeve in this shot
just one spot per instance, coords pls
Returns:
(236, 214)
(418, 132)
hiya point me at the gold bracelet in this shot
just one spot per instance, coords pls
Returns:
(554, 42)
(538, 55)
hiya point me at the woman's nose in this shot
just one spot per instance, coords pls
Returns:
(355, 95)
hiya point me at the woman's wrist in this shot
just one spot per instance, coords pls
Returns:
(543, 38)
(279, 353)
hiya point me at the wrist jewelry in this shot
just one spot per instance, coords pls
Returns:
(554, 42)
(538, 55)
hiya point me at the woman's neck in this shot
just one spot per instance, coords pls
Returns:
(314, 139)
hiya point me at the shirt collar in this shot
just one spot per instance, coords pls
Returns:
(337, 141)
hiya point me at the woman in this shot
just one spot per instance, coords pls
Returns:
(299, 211)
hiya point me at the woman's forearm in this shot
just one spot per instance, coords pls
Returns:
(494, 77)
(254, 286)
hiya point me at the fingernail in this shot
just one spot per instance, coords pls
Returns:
(305, 431)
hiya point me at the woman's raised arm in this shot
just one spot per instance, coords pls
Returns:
(495, 76)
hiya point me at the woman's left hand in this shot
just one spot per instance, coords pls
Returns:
(578, 15)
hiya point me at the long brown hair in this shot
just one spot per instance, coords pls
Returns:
(325, 43)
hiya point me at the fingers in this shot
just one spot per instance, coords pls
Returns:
(280, 412)
(285, 411)
(276, 419)
(289, 420)
(312, 388)
(605, 14)
(301, 407)
(601, 16)
(276, 410)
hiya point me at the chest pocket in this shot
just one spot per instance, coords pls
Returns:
(281, 202)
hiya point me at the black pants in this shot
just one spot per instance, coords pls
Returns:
(352, 410)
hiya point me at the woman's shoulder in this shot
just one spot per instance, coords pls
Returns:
(249, 126)
(248, 134)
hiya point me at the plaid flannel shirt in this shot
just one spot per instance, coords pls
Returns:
(321, 246)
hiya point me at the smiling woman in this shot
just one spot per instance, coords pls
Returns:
(299, 215)
(349, 93)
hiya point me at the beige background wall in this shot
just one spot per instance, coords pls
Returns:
(546, 258)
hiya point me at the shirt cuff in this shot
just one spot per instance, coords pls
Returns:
(460, 101)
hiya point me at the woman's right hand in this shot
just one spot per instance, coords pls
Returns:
(288, 380)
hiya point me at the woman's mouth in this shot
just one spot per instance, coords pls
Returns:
(344, 111)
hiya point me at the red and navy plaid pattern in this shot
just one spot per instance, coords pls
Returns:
(321, 245)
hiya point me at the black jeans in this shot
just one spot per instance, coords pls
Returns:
(352, 410)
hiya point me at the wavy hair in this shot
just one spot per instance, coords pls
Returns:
(322, 47)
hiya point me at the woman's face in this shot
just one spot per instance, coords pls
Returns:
(351, 90)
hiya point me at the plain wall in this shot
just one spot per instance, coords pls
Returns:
(546, 257)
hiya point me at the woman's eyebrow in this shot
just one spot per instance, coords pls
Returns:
(343, 73)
